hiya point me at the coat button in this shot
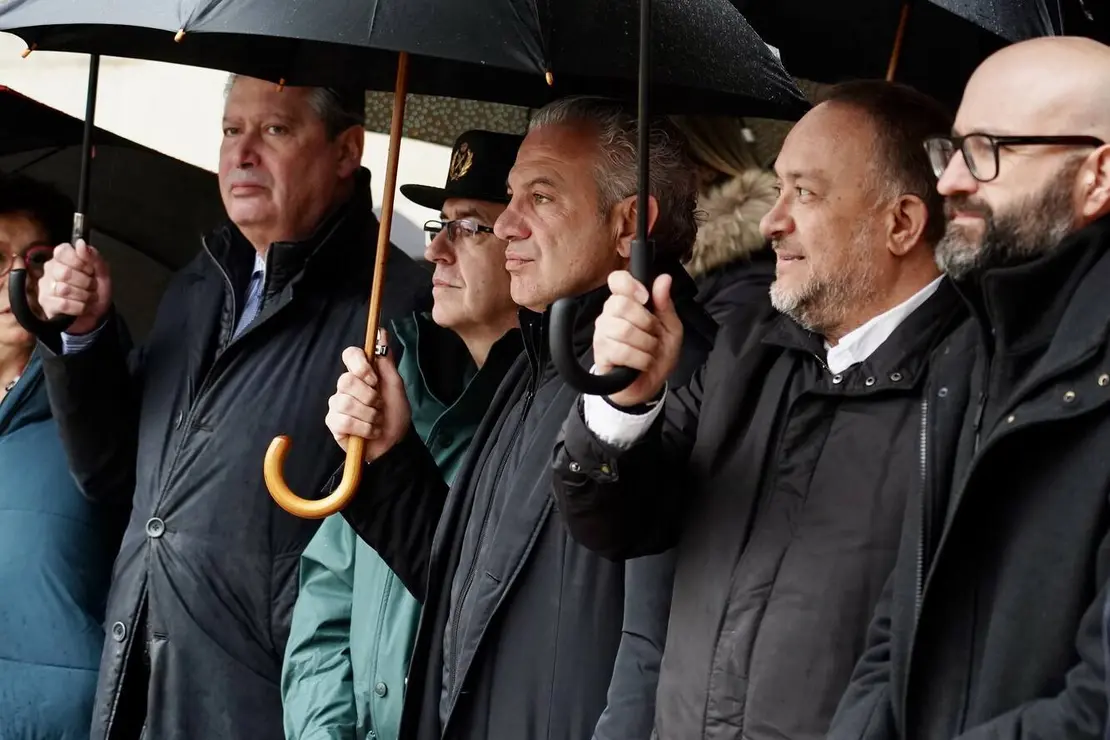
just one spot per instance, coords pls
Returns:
(178, 419)
(155, 527)
(895, 377)
(575, 467)
(869, 382)
(380, 688)
(837, 378)
(119, 631)
(1104, 380)
(1069, 396)
(942, 392)
(1011, 419)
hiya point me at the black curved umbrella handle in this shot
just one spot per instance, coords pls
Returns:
(21, 309)
(563, 314)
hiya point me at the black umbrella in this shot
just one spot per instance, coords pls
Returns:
(151, 208)
(508, 51)
(707, 58)
(933, 45)
(151, 202)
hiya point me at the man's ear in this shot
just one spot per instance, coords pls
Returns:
(626, 222)
(1094, 185)
(351, 143)
(907, 221)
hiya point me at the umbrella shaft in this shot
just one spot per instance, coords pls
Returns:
(86, 150)
(643, 123)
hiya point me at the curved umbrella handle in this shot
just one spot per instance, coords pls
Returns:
(352, 468)
(563, 313)
(312, 508)
(21, 309)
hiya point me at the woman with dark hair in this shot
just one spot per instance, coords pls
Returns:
(56, 547)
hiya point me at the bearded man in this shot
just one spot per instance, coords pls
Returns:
(991, 626)
(781, 472)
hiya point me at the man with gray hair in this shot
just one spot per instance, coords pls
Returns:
(525, 634)
(244, 348)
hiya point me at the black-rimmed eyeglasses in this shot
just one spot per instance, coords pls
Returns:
(980, 151)
(34, 257)
(467, 226)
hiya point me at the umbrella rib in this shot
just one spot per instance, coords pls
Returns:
(544, 63)
(40, 158)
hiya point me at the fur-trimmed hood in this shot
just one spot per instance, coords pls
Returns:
(730, 220)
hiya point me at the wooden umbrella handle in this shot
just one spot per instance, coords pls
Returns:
(352, 468)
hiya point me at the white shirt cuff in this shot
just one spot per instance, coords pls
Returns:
(614, 426)
(72, 344)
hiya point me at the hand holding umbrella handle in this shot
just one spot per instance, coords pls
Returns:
(17, 283)
(352, 468)
(21, 309)
(563, 313)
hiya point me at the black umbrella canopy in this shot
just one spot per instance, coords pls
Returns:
(149, 210)
(155, 204)
(832, 42)
(705, 56)
(1012, 20)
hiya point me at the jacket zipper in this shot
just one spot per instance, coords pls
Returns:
(924, 534)
(454, 665)
(195, 403)
(977, 425)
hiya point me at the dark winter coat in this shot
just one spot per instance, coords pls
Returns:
(782, 486)
(56, 553)
(208, 567)
(732, 262)
(991, 624)
(521, 626)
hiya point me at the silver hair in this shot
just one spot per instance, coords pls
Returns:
(338, 112)
(671, 174)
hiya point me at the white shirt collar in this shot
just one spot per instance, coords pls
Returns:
(259, 264)
(858, 344)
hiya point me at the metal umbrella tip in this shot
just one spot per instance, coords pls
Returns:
(179, 35)
(27, 52)
(549, 77)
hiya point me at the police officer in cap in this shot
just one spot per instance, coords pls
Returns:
(354, 620)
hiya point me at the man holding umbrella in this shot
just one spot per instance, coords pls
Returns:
(244, 348)
(521, 626)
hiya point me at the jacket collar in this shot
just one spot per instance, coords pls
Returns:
(27, 402)
(1040, 302)
(446, 368)
(288, 262)
(903, 356)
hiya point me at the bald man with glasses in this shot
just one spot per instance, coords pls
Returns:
(991, 624)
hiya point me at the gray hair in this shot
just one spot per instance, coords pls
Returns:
(338, 109)
(671, 175)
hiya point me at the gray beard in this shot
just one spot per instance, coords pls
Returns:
(1030, 229)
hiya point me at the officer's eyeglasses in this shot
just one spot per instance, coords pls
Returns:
(980, 151)
(467, 226)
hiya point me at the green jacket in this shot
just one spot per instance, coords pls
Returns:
(354, 622)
